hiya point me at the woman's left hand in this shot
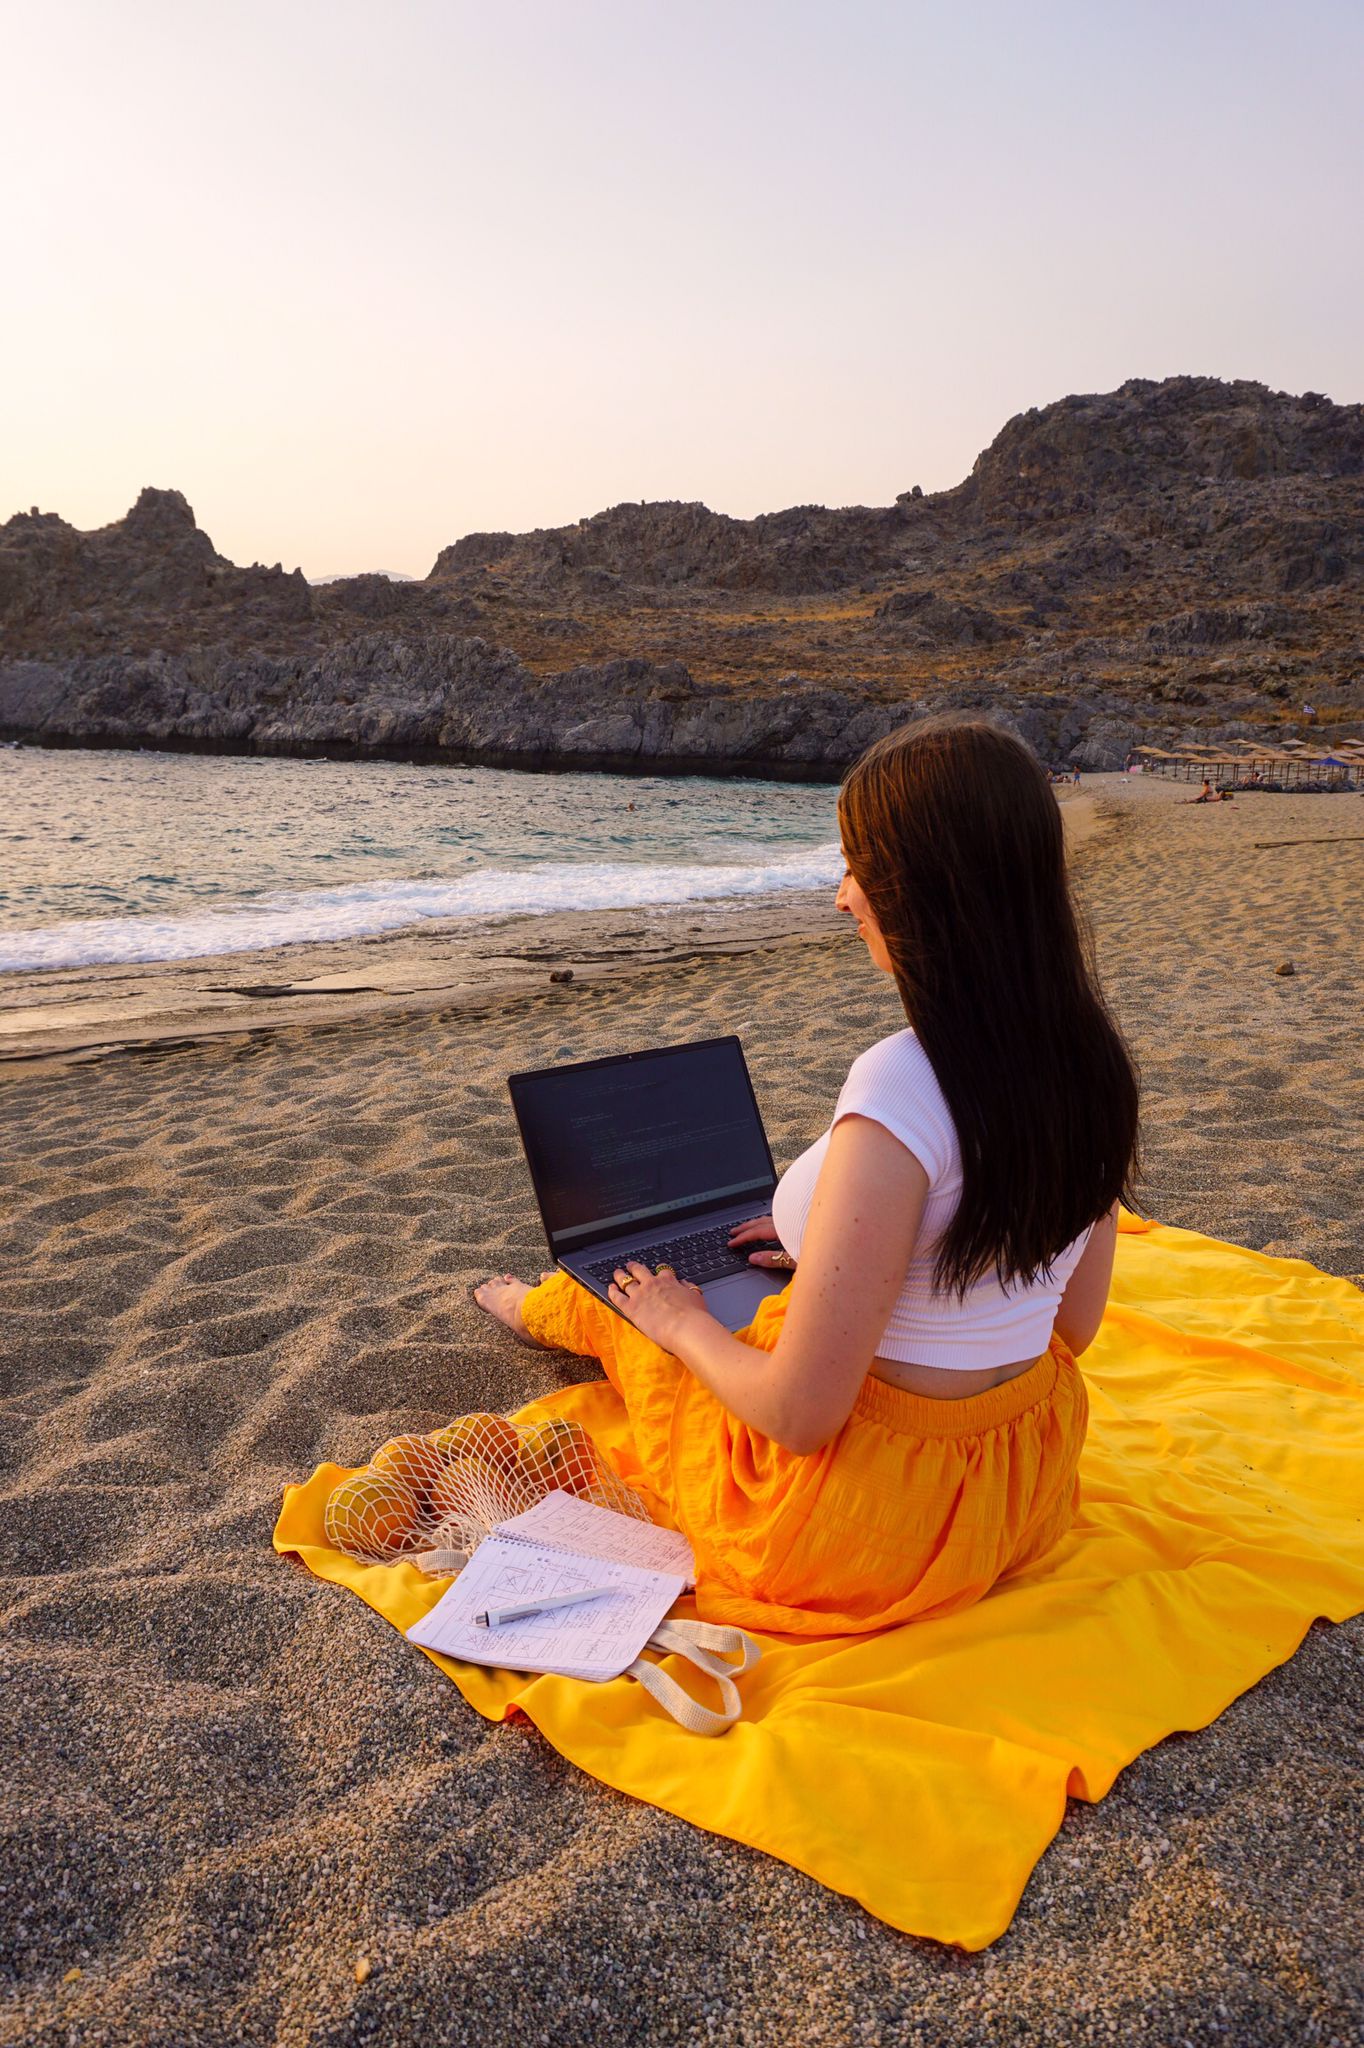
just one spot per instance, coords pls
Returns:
(658, 1303)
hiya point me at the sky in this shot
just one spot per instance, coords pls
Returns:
(360, 278)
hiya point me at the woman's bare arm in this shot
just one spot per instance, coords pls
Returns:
(864, 1220)
(1086, 1296)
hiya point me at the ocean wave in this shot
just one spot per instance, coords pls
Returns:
(360, 909)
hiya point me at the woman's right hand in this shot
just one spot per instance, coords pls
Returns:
(760, 1230)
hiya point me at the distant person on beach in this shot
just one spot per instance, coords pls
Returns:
(902, 1425)
(1207, 795)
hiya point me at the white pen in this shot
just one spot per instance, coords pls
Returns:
(497, 1615)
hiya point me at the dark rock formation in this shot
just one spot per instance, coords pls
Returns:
(926, 620)
(1210, 627)
(805, 550)
(156, 560)
(1145, 438)
(1177, 557)
(461, 700)
(437, 697)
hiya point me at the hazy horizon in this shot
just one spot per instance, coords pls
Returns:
(360, 281)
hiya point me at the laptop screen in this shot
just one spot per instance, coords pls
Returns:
(611, 1143)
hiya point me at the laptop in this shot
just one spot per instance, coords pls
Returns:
(652, 1156)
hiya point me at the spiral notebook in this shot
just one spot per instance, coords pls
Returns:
(562, 1545)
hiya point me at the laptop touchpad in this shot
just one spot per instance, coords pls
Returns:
(735, 1302)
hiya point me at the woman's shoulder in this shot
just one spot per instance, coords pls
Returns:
(896, 1062)
(893, 1081)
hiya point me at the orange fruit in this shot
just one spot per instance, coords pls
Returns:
(489, 1437)
(373, 1515)
(461, 1490)
(412, 1459)
(558, 1454)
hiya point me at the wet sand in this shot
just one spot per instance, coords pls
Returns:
(227, 1258)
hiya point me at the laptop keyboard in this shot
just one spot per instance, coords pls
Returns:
(699, 1256)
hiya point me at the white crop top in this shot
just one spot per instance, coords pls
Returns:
(893, 1084)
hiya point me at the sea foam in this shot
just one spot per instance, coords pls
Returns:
(359, 909)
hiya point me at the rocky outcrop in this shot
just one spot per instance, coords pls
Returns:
(442, 697)
(1078, 459)
(1146, 438)
(923, 619)
(1209, 626)
(156, 560)
(461, 700)
(348, 599)
(669, 546)
(1188, 550)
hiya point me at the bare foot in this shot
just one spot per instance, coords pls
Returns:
(501, 1297)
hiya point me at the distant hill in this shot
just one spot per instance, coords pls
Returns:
(393, 576)
(1168, 557)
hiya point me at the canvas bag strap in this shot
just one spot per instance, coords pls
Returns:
(708, 1646)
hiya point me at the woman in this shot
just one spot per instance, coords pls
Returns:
(903, 1425)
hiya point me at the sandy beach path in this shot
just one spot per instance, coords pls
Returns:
(233, 1792)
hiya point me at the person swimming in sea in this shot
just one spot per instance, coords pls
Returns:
(902, 1425)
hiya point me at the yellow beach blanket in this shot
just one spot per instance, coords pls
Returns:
(924, 1770)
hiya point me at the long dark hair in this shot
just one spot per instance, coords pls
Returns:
(950, 828)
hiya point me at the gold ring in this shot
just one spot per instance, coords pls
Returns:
(628, 1281)
(669, 1269)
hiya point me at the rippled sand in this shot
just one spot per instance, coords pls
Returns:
(227, 1260)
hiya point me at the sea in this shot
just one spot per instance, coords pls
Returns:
(119, 857)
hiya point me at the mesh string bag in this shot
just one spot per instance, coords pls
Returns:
(432, 1499)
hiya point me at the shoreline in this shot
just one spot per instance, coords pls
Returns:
(545, 761)
(60, 1016)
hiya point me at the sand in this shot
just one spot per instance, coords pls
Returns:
(228, 1785)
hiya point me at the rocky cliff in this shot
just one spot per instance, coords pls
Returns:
(1166, 558)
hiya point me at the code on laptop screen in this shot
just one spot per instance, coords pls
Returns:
(620, 1143)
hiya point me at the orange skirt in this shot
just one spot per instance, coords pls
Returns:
(915, 1508)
